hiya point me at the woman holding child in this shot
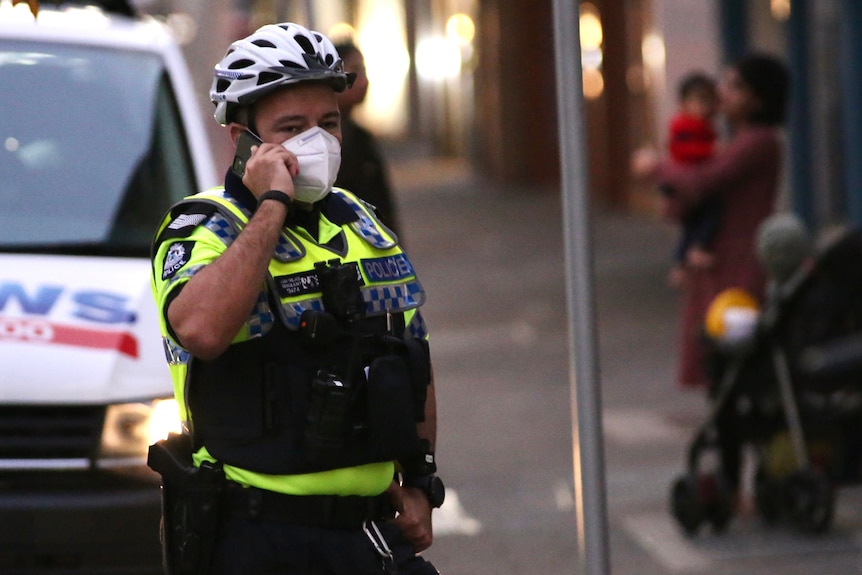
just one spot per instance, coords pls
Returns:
(743, 176)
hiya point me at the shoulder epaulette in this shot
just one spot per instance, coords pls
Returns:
(184, 218)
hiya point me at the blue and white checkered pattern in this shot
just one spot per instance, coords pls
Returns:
(417, 327)
(366, 226)
(174, 354)
(185, 273)
(292, 311)
(222, 193)
(288, 250)
(261, 319)
(222, 227)
(380, 299)
(370, 233)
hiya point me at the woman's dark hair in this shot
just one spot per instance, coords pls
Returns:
(769, 80)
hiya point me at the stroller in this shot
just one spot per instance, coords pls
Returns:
(790, 390)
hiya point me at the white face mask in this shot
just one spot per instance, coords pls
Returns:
(319, 156)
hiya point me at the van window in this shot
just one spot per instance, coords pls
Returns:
(92, 149)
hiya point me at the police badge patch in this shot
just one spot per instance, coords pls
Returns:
(178, 255)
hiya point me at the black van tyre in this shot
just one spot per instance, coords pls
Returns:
(768, 496)
(687, 504)
(811, 501)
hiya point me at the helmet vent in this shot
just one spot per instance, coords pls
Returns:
(267, 77)
(263, 43)
(304, 43)
(222, 85)
(240, 64)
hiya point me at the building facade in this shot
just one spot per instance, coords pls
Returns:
(476, 78)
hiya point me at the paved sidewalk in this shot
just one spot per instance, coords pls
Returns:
(491, 260)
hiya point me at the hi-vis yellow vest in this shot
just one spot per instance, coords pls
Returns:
(265, 368)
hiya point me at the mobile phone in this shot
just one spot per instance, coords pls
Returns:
(243, 151)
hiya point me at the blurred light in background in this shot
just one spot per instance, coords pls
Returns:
(594, 83)
(592, 37)
(438, 58)
(92, 15)
(381, 26)
(652, 73)
(780, 9)
(164, 419)
(653, 51)
(461, 29)
(340, 32)
(183, 27)
(441, 58)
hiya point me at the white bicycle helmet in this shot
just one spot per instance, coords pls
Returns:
(274, 55)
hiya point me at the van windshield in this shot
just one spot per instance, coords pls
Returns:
(92, 150)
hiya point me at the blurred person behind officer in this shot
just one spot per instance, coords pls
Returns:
(299, 356)
(363, 169)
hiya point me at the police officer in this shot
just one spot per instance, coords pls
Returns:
(291, 324)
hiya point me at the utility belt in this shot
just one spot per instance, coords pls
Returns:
(328, 511)
(195, 500)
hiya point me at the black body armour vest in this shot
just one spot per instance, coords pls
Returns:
(262, 405)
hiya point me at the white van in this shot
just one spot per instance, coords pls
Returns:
(99, 134)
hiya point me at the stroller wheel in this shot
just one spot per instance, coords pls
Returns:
(768, 496)
(687, 504)
(721, 504)
(811, 500)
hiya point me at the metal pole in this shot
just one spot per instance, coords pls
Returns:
(851, 97)
(801, 151)
(733, 16)
(583, 367)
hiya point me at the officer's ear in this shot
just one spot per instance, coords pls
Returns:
(235, 130)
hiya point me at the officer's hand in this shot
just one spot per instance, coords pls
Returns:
(414, 515)
(270, 167)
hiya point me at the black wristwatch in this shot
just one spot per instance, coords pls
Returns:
(431, 485)
(279, 197)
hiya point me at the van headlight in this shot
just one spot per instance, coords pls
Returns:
(130, 428)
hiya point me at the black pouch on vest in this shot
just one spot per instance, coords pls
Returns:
(391, 409)
(329, 415)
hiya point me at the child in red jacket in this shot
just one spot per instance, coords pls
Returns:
(692, 139)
